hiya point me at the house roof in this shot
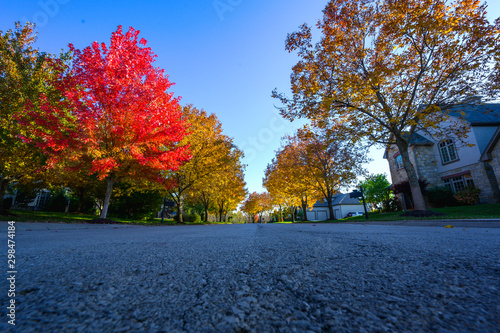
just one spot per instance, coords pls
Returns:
(339, 199)
(477, 114)
(418, 140)
(486, 155)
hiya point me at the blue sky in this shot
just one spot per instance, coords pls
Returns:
(224, 56)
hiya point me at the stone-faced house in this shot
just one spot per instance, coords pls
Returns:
(449, 162)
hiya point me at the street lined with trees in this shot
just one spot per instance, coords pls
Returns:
(101, 122)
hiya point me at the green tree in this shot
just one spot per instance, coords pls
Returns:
(375, 189)
(136, 200)
(24, 75)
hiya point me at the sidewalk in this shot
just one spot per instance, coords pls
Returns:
(472, 223)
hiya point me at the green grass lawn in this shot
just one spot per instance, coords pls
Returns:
(462, 212)
(30, 216)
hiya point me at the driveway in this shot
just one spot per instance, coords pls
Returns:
(253, 278)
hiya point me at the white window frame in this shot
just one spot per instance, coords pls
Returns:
(457, 184)
(447, 151)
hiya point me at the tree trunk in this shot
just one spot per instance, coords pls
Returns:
(180, 210)
(416, 192)
(330, 209)
(205, 218)
(3, 188)
(110, 180)
(80, 197)
(292, 209)
(304, 210)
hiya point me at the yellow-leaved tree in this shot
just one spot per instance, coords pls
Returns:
(390, 68)
(288, 179)
(231, 184)
(24, 75)
(213, 154)
(256, 204)
(224, 188)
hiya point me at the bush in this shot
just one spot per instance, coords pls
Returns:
(84, 205)
(138, 204)
(194, 218)
(391, 205)
(58, 203)
(468, 196)
(7, 203)
(441, 196)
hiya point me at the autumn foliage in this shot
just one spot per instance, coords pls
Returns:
(115, 115)
(24, 73)
(387, 69)
(214, 175)
(312, 165)
(256, 205)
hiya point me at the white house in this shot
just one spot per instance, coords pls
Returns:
(342, 205)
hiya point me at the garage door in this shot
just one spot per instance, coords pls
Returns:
(322, 215)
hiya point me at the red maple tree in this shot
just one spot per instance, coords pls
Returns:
(115, 115)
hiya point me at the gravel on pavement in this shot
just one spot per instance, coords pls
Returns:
(253, 278)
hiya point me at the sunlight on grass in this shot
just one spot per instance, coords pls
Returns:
(460, 212)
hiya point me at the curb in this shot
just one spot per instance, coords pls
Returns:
(470, 223)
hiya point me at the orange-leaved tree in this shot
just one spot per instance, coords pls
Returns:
(116, 117)
(256, 204)
(332, 159)
(289, 180)
(390, 68)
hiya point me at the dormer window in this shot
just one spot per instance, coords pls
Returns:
(447, 151)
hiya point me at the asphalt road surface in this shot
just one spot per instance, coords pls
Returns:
(250, 278)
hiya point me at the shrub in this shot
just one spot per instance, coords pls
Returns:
(7, 203)
(136, 203)
(468, 196)
(391, 205)
(58, 203)
(404, 187)
(195, 218)
(441, 196)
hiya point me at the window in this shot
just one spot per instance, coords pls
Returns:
(457, 184)
(399, 162)
(447, 151)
